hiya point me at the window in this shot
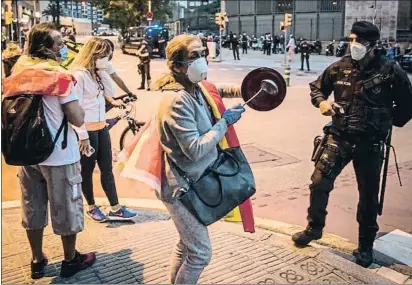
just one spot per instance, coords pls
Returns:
(263, 6)
(284, 6)
(331, 5)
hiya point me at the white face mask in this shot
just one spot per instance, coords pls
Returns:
(102, 63)
(197, 70)
(357, 51)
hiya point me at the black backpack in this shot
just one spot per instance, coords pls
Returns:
(26, 138)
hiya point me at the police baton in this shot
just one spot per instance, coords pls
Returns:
(388, 147)
(385, 171)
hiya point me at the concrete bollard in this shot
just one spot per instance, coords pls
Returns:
(287, 75)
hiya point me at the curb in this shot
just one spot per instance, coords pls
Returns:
(328, 240)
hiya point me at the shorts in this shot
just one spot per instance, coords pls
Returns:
(59, 185)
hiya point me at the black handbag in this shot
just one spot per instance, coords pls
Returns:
(223, 186)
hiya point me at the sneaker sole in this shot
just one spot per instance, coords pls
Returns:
(113, 218)
(90, 217)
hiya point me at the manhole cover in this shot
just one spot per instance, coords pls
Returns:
(256, 155)
(263, 157)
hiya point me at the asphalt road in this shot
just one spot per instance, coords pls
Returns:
(278, 144)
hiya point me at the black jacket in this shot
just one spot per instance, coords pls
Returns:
(373, 99)
(305, 47)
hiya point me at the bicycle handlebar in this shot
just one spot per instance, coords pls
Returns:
(121, 97)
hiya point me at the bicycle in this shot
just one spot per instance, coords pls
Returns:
(125, 113)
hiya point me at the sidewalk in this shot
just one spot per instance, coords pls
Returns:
(140, 252)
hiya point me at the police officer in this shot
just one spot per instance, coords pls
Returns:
(245, 42)
(372, 94)
(268, 40)
(305, 49)
(235, 47)
(143, 66)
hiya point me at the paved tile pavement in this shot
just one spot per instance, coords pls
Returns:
(139, 252)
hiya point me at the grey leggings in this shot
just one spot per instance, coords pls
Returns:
(193, 250)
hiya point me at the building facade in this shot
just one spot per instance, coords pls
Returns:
(386, 17)
(319, 19)
(24, 15)
(199, 16)
(314, 19)
(79, 11)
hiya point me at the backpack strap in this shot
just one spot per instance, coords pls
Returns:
(64, 126)
(387, 69)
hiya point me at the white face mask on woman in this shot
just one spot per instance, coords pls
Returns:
(197, 70)
(102, 63)
(357, 50)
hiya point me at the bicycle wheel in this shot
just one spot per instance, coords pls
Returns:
(128, 134)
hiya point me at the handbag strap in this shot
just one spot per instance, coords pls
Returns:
(228, 154)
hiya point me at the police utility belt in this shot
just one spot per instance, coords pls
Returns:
(358, 119)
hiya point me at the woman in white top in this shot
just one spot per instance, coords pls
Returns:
(291, 46)
(93, 86)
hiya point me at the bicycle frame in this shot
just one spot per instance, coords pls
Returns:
(129, 118)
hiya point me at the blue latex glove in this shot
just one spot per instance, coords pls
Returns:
(233, 114)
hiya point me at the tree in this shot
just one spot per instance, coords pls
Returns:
(53, 10)
(126, 13)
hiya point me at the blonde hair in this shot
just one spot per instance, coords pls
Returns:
(86, 58)
(11, 50)
(176, 51)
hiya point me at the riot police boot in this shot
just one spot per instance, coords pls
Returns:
(308, 235)
(149, 82)
(141, 87)
(363, 256)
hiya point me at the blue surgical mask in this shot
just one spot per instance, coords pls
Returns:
(64, 53)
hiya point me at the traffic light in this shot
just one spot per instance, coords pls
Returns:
(288, 20)
(218, 19)
(8, 18)
(223, 16)
(282, 26)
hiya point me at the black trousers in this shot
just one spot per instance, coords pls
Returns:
(367, 162)
(302, 59)
(236, 53)
(268, 48)
(145, 73)
(244, 48)
(100, 141)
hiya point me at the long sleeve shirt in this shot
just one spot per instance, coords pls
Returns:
(188, 138)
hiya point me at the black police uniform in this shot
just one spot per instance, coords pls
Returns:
(373, 100)
(305, 49)
(235, 47)
(144, 66)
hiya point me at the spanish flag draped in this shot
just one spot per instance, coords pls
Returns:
(141, 158)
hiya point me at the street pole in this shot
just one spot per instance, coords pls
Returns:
(374, 16)
(286, 33)
(150, 10)
(220, 43)
(222, 10)
(17, 23)
(287, 66)
(91, 15)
